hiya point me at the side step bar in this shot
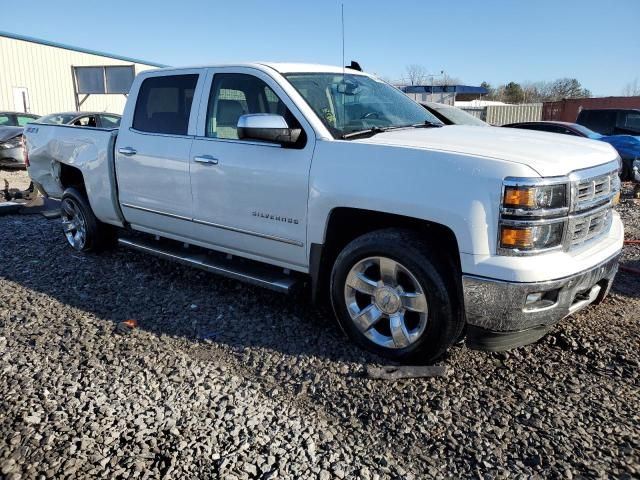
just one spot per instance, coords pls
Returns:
(244, 270)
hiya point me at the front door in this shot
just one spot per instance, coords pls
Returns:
(250, 197)
(152, 157)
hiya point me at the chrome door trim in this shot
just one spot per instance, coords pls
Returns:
(288, 241)
(157, 212)
(250, 232)
(240, 142)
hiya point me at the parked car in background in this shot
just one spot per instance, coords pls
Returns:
(83, 119)
(16, 119)
(286, 174)
(450, 115)
(628, 146)
(11, 154)
(611, 121)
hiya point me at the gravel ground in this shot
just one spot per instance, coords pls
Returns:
(223, 380)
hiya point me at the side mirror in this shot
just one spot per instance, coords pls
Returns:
(267, 127)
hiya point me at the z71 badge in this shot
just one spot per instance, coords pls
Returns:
(277, 218)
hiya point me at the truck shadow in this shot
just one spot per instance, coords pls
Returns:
(167, 298)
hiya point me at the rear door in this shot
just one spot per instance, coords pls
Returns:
(250, 197)
(152, 150)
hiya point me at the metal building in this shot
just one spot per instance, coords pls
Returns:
(42, 77)
(443, 93)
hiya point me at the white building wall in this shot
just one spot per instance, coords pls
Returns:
(46, 72)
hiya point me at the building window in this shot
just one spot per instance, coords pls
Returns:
(115, 79)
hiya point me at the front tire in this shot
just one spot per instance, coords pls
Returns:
(394, 297)
(83, 231)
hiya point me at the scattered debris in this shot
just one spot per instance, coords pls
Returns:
(407, 371)
(17, 194)
(126, 326)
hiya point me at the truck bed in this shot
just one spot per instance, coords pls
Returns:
(87, 149)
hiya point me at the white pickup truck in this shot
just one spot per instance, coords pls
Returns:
(290, 174)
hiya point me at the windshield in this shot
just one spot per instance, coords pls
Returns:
(586, 131)
(57, 118)
(458, 116)
(351, 103)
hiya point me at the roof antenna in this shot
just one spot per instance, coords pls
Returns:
(343, 66)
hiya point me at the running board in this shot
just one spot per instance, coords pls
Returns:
(244, 270)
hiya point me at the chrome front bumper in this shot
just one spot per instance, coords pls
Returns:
(499, 306)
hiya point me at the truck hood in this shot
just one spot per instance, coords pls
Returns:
(549, 154)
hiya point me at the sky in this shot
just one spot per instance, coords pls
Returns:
(595, 41)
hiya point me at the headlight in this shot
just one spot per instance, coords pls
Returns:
(532, 215)
(14, 142)
(523, 238)
(540, 197)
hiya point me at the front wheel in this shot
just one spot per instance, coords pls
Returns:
(393, 297)
(83, 231)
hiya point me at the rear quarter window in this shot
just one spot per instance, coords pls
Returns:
(164, 104)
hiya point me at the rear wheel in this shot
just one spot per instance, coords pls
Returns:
(394, 298)
(83, 231)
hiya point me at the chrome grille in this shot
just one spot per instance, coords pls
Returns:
(593, 191)
(587, 227)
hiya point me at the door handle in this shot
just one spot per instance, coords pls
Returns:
(206, 159)
(128, 151)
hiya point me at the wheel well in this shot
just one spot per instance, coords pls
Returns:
(71, 177)
(346, 224)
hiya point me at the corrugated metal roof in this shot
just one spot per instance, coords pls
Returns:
(77, 49)
(461, 89)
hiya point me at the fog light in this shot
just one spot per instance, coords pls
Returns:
(540, 300)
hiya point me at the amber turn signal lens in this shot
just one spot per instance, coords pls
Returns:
(616, 199)
(519, 197)
(516, 237)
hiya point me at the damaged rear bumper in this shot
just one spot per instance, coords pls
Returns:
(502, 315)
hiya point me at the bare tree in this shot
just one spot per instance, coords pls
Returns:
(446, 79)
(631, 89)
(416, 74)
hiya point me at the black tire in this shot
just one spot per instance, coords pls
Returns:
(431, 269)
(98, 236)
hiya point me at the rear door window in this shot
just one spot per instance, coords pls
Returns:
(5, 120)
(631, 121)
(164, 104)
(109, 121)
(88, 121)
(22, 120)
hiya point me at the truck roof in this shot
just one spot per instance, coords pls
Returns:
(280, 67)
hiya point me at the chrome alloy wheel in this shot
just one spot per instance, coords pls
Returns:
(386, 302)
(74, 224)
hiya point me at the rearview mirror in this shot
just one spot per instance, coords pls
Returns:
(267, 127)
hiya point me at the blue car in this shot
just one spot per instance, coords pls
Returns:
(628, 146)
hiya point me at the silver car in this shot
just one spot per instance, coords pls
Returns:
(11, 154)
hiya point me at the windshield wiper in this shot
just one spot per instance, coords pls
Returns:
(370, 132)
(427, 124)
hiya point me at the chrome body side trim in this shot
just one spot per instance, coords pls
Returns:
(250, 232)
(266, 236)
(157, 212)
(499, 305)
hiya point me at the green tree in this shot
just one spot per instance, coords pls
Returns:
(513, 93)
(491, 92)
